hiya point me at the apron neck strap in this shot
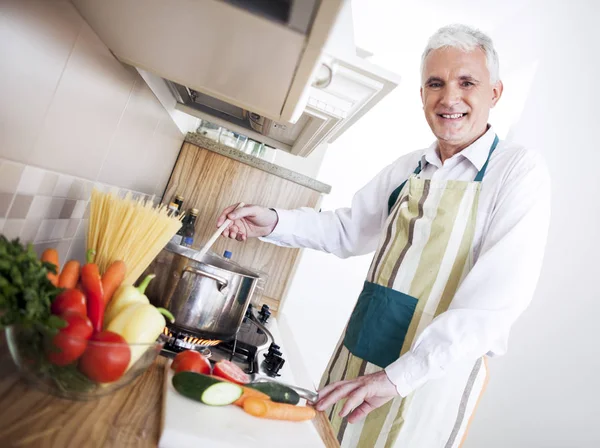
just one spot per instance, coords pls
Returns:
(481, 172)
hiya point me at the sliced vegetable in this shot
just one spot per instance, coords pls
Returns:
(70, 275)
(51, 256)
(71, 341)
(139, 323)
(278, 411)
(92, 287)
(206, 389)
(249, 392)
(229, 371)
(277, 392)
(69, 300)
(112, 279)
(191, 361)
(106, 357)
(125, 296)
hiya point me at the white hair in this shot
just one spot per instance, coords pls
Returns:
(464, 38)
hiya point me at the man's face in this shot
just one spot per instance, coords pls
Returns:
(457, 94)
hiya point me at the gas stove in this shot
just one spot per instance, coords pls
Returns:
(253, 349)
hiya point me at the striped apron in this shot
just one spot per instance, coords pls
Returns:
(423, 255)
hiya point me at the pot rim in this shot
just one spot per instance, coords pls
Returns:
(192, 254)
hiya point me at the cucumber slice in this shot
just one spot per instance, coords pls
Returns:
(221, 394)
(277, 392)
(206, 389)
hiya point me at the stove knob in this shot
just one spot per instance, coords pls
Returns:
(264, 314)
(274, 346)
(273, 364)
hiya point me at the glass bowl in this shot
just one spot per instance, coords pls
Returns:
(29, 348)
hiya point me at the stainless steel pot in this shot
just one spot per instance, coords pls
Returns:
(208, 295)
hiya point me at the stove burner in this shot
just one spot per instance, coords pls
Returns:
(242, 351)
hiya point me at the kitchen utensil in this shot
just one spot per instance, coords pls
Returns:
(207, 294)
(310, 396)
(215, 235)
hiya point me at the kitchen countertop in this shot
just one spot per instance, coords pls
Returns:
(130, 417)
(206, 143)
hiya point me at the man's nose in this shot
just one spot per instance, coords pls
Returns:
(451, 96)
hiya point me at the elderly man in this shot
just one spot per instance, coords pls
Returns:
(458, 230)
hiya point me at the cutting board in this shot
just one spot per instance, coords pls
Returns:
(188, 423)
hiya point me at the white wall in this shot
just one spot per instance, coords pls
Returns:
(66, 103)
(545, 391)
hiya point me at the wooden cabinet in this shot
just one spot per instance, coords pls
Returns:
(210, 182)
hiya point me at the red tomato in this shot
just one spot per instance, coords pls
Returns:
(71, 341)
(69, 300)
(191, 361)
(106, 358)
(229, 371)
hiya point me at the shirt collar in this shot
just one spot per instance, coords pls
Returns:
(477, 153)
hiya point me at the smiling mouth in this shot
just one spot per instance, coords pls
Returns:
(452, 116)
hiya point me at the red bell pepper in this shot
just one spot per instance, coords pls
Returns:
(91, 282)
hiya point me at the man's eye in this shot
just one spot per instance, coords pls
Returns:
(435, 85)
(467, 84)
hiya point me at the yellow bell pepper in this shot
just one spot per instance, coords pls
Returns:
(139, 323)
(126, 295)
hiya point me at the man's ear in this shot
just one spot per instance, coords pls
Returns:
(497, 92)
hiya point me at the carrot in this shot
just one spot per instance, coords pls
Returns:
(249, 392)
(51, 256)
(70, 275)
(112, 279)
(278, 411)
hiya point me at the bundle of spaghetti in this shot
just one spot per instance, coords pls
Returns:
(128, 229)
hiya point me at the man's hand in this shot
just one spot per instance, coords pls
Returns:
(248, 222)
(363, 394)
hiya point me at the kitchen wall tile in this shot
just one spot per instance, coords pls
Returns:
(63, 248)
(31, 180)
(77, 250)
(55, 207)
(76, 188)
(86, 214)
(67, 209)
(60, 227)
(162, 151)
(2, 220)
(40, 207)
(82, 229)
(86, 191)
(5, 201)
(97, 87)
(12, 228)
(30, 229)
(36, 39)
(48, 184)
(20, 206)
(72, 228)
(63, 186)
(127, 160)
(10, 173)
(79, 209)
(45, 231)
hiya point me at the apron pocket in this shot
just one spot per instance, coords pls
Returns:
(379, 323)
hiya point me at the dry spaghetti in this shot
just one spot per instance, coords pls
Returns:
(128, 229)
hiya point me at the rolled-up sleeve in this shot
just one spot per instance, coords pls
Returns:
(498, 288)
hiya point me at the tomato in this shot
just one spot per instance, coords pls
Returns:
(69, 300)
(229, 371)
(71, 341)
(191, 361)
(106, 357)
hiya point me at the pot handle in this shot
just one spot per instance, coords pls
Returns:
(221, 282)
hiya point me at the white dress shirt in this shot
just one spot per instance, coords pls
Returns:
(508, 249)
